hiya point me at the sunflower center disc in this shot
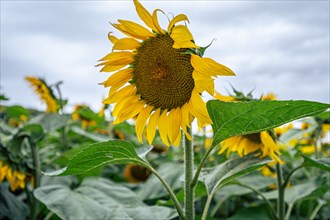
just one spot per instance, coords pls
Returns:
(162, 74)
(253, 137)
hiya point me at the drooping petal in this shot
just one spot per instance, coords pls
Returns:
(176, 19)
(162, 123)
(173, 124)
(125, 102)
(152, 124)
(176, 122)
(136, 30)
(178, 140)
(198, 109)
(120, 77)
(141, 121)
(144, 15)
(203, 83)
(185, 121)
(126, 44)
(182, 37)
(210, 67)
(155, 20)
(129, 112)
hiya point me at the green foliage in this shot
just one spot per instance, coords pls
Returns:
(321, 163)
(98, 198)
(238, 118)
(219, 176)
(111, 152)
(11, 206)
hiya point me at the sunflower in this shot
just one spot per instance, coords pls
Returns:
(44, 92)
(135, 173)
(159, 76)
(16, 178)
(249, 143)
(78, 116)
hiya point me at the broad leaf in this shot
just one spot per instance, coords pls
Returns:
(250, 213)
(10, 206)
(110, 152)
(93, 137)
(240, 118)
(256, 181)
(50, 121)
(294, 193)
(321, 163)
(152, 189)
(98, 198)
(230, 170)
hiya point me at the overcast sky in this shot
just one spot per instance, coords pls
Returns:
(272, 46)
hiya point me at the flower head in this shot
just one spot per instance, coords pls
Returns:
(44, 92)
(79, 113)
(16, 178)
(249, 143)
(158, 76)
(135, 173)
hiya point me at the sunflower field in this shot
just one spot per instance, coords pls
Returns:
(157, 149)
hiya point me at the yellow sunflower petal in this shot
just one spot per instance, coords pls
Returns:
(110, 68)
(124, 92)
(182, 37)
(176, 19)
(162, 123)
(126, 44)
(223, 97)
(252, 147)
(210, 67)
(129, 112)
(155, 20)
(136, 30)
(268, 141)
(112, 38)
(152, 124)
(119, 58)
(125, 101)
(141, 121)
(198, 109)
(122, 29)
(176, 122)
(178, 140)
(122, 76)
(173, 125)
(144, 15)
(203, 83)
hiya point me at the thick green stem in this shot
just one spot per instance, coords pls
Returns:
(169, 190)
(188, 171)
(286, 181)
(280, 201)
(36, 175)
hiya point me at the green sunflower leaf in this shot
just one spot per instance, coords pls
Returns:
(110, 152)
(217, 177)
(321, 163)
(241, 118)
(98, 198)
